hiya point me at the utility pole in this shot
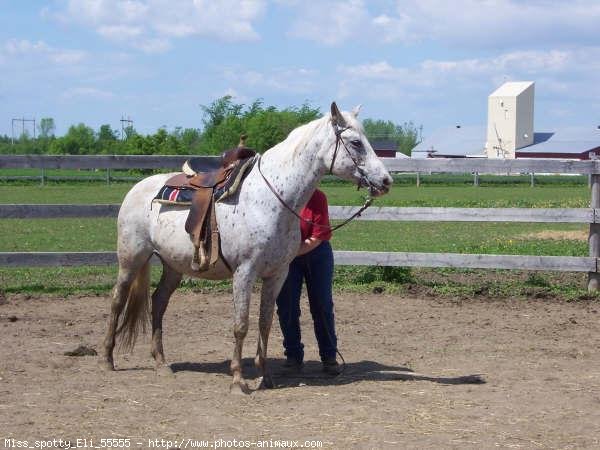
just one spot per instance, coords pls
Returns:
(22, 120)
(124, 121)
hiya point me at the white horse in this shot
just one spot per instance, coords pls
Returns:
(259, 236)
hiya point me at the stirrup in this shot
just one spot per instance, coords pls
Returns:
(200, 261)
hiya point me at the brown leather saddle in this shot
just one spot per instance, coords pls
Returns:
(210, 180)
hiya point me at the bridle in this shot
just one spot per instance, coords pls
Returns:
(338, 139)
(363, 179)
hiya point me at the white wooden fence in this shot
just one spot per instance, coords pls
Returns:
(589, 215)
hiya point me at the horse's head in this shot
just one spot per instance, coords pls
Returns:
(352, 157)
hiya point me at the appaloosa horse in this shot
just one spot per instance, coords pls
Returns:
(259, 234)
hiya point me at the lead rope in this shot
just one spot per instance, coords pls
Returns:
(368, 202)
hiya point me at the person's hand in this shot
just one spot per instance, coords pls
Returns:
(308, 245)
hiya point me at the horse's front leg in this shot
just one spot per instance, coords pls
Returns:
(270, 290)
(243, 280)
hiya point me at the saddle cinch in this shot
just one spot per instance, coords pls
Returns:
(204, 182)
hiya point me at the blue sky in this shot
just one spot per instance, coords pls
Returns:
(428, 61)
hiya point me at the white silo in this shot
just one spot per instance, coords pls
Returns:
(510, 119)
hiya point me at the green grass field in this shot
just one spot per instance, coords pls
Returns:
(403, 194)
(99, 234)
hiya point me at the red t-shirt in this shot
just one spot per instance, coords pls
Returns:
(315, 211)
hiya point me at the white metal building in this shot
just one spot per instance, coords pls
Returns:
(510, 119)
(509, 133)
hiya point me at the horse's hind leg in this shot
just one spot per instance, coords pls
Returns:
(270, 289)
(169, 281)
(243, 279)
(128, 272)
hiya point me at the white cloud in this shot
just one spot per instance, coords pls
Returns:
(497, 23)
(150, 25)
(571, 73)
(394, 28)
(120, 31)
(329, 22)
(24, 59)
(469, 23)
(39, 75)
(87, 92)
(569, 60)
(234, 94)
(289, 80)
(15, 50)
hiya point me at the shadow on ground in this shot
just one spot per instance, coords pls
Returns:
(313, 376)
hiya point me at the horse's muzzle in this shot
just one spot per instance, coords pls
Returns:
(379, 189)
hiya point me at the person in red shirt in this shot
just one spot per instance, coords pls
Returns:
(313, 265)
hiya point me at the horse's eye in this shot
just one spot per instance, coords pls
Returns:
(356, 143)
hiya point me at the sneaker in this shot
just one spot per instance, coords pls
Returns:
(332, 367)
(292, 366)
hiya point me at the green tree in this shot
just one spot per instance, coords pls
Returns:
(222, 137)
(224, 121)
(106, 133)
(107, 140)
(79, 140)
(190, 140)
(407, 135)
(129, 132)
(46, 127)
(269, 127)
(218, 110)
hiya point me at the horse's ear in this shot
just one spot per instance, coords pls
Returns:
(336, 116)
(356, 110)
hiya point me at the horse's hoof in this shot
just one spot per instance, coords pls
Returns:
(106, 364)
(239, 388)
(164, 370)
(266, 382)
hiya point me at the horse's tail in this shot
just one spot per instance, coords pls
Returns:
(136, 313)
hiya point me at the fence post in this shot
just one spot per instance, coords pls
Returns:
(418, 179)
(594, 237)
(476, 179)
(108, 175)
(532, 179)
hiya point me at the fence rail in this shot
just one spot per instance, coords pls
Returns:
(343, 258)
(94, 161)
(401, 214)
(13, 211)
(458, 165)
(441, 214)
(590, 215)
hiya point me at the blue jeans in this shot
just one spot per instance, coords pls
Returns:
(316, 268)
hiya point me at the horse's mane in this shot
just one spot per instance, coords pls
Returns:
(298, 137)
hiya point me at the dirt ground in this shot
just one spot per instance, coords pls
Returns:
(407, 381)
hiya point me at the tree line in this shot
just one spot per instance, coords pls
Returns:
(223, 122)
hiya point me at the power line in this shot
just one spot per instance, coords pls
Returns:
(22, 120)
(124, 121)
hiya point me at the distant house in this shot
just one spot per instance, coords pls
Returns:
(468, 142)
(509, 133)
(452, 142)
(566, 143)
(386, 148)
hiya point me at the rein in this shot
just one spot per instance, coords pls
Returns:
(368, 200)
(338, 138)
